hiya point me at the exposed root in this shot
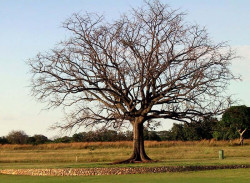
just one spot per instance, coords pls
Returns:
(133, 160)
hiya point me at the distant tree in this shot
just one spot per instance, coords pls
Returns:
(38, 139)
(79, 137)
(99, 135)
(17, 137)
(3, 140)
(203, 129)
(206, 127)
(121, 136)
(234, 123)
(91, 137)
(177, 132)
(150, 64)
(165, 135)
(64, 139)
(151, 135)
(129, 135)
(106, 135)
(191, 132)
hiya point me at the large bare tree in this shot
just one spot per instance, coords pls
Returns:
(150, 64)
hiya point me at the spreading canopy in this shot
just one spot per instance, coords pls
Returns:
(147, 65)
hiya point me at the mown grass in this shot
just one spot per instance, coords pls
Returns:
(212, 176)
(99, 154)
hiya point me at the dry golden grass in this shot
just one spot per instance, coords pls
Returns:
(168, 152)
(121, 144)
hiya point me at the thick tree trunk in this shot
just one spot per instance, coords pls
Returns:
(139, 154)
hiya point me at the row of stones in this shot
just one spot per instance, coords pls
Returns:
(112, 171)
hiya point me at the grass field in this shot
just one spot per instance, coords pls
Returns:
(213, 176)
(99, 154)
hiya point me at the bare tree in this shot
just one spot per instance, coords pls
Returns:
(147, 65)
(17, 137)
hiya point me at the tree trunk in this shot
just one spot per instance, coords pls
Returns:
(241, 136)
(241, 139)
(139, 154)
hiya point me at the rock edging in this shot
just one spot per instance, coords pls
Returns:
(113, 171)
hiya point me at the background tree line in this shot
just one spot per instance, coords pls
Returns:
(234, 124)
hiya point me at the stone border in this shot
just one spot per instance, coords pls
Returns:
(113, 171)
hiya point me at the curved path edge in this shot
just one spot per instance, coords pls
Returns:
(114, 171)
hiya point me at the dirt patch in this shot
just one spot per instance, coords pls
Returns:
(113, 171)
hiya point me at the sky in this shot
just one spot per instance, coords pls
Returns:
(28, 27)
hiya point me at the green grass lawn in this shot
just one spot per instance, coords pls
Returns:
(181, 162)
(213, 176)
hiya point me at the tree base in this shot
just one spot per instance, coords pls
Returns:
(133, 160)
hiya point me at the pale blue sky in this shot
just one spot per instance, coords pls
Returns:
(31, 26)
